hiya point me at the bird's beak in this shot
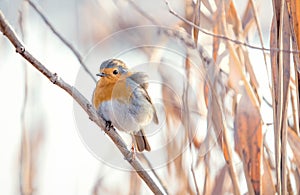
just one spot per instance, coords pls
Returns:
(101, 74)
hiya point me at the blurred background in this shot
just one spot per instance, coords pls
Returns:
(214, 98)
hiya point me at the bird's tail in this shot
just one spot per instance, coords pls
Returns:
(141, 141)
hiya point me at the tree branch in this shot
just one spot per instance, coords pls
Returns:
(8, 31)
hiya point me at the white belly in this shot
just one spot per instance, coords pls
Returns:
(127, 117)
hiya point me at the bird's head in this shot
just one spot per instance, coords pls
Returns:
(112, 70)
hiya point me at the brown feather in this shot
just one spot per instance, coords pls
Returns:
(141, 141)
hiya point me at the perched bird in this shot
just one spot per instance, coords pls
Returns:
(121, 99)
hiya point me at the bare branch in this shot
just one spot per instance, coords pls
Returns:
(68, 44)
(8, 31)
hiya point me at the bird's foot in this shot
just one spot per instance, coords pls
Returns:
(108, 125)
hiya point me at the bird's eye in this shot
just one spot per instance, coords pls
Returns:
(115, 72)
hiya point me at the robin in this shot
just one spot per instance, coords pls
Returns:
(121, 98)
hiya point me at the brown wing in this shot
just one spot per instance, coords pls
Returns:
(142, 79)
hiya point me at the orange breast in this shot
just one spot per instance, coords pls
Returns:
(107, 90)
(102, 93)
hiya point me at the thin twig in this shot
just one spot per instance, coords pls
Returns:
(68, 44)
(154, 172)
(193, 173)
(225, 37)
(7, 31)
(282, 103)
(260, 39)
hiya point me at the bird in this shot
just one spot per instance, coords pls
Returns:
(121, 99)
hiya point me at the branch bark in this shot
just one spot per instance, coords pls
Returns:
(8, 31)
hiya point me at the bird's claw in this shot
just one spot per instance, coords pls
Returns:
(108, 125)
